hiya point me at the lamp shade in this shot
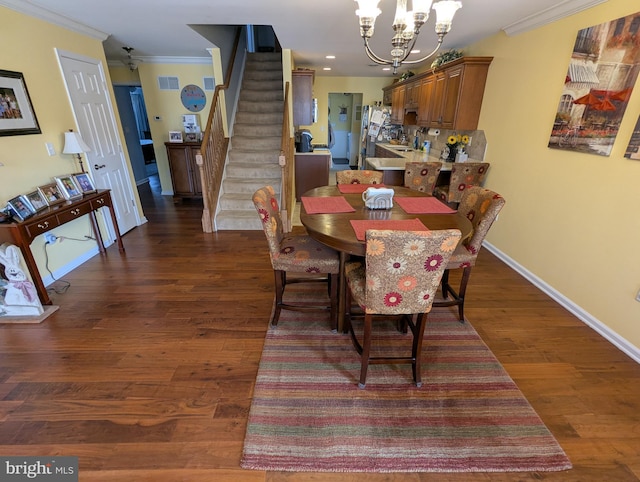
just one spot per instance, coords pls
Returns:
(73, 144)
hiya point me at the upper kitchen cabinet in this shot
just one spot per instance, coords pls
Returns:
(449, 97)
(397, 104)
(457, 93)
(302, 93)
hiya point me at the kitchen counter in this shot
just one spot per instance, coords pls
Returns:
(393, 167)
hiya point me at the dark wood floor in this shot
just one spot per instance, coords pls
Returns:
(147, 369)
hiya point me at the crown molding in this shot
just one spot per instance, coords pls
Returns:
(27, 8)
(550, 15)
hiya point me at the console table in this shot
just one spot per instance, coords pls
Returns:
(23, 233)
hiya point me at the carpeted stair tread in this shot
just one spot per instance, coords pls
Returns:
(255, 143)
(246, 220)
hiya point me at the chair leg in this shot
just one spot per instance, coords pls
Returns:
(416, 350)
(366, 349)
(280, 282)
(333, 296)
(466, 274)
(445, 284)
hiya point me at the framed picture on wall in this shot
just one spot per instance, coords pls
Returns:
(16, 112)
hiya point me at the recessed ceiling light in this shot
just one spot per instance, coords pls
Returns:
(326, 68)
(330, 57)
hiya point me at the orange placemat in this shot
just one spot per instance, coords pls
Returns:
(360, 226)
(356, 188)
(423, 205)
(326, 205)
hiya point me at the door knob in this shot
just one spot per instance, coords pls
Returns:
(96, 166)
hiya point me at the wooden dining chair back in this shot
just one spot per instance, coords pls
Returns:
(421, 176)
(481, 206)
(359, 177)
(463, 174)
(399, 276)
(296, 253)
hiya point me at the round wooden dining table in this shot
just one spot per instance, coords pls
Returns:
(335, 229)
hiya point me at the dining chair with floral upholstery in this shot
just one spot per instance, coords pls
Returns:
(421, 176)
(463, 174)
(296, 253)
(400, 275)
(480, 206)
(362, 176)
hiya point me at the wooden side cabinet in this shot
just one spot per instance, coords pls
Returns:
(185, 175)
(312, 170)
(302, 93)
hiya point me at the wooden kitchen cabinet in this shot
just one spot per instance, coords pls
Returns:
(397, 104)
(457, 94)
(449, 97)
(412, 96)
(185, 174)
(425, 97)
(311, 170)
(302, 94)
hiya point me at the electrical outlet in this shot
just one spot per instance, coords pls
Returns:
(50, 238)
(50, 149)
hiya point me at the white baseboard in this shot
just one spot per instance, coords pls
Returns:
(613, 337)
(67, 268)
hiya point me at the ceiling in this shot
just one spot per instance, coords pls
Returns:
(160, 30)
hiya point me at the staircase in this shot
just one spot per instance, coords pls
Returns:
(255, 144)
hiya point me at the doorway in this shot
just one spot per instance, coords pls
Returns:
(345, 111)
(137, 133)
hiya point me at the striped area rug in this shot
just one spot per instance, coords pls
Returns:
(308, 413)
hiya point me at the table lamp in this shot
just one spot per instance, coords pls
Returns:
(73, 144)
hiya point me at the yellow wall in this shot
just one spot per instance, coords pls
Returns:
(26, 162)
(369, 87)
(166, 104)
(571, 219)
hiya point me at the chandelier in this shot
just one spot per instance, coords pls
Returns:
(406, 26)
(129, 61)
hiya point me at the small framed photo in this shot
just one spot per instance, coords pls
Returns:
(175, 136)
(21, 208)
(84, 182)
(51, 194)
(68, 187)
(191, 136)
(37, 201)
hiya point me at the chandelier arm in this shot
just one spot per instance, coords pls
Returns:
(440, 38)
(374, 57)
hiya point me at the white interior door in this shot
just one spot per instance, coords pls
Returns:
(96, 123)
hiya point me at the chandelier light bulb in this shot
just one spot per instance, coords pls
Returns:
(401, 14)
(445, 10)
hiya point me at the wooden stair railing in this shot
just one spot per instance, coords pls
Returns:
(213, 151)
(287, 150)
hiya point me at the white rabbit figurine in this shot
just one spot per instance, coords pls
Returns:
(21, 298)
